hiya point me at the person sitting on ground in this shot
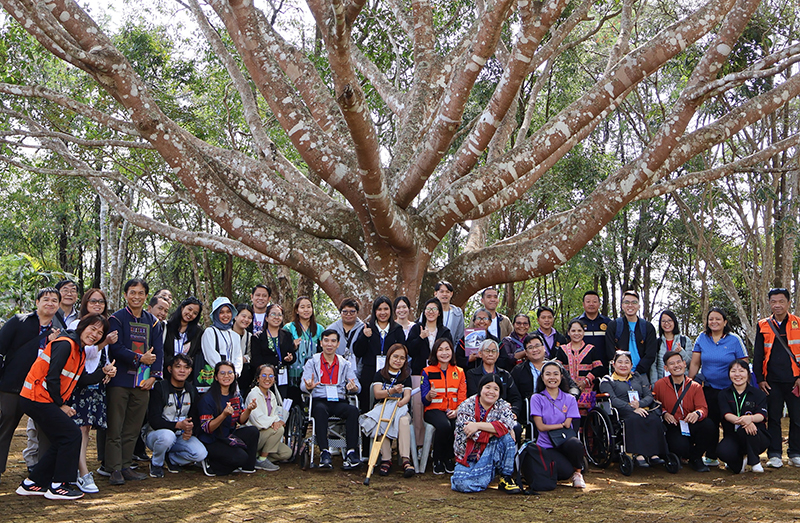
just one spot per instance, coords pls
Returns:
(329, 379)
(489, 353)
(484, 440)
(744, 413)
(630, 394)
(230, 445)
(171, 415)
(443, 388)
(48, 386)
(392, 383)
(269, 418)
(555, 413)
(689, 430)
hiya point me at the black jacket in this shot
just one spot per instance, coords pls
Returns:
(19, 348)
(261, 353)
(163, 395)
(419, 349)
(368, 348)
(193, 338)
(647, 346)
(510, 392)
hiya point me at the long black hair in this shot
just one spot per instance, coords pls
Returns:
(439, 320)
(373, 323)
(405, 371)
(174, 322)
(216, 391)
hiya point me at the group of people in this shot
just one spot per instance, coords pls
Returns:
(219, 397)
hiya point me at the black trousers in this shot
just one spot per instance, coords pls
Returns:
(224, 459)
(703, 434)
(10, 414)
(780, 394)
(444, 436)
(712, 400)
(59, 464)
(568, 457)
(736, 447)
(322, 410)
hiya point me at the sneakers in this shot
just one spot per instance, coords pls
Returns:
(267, 465)
(63, 491)
(86, 484)
(775, 462)
(438, 468)
(207, 469)
(156, 471)
(711, 462)
(131, 475)
(794, 461)
(142, 457)
(30, 490)
(325, 461)
(116, 478)
(449, 466)
(508, 486)
(171, 467)
(352, 461)
(103, 471)
(577, 480)
(246, 471)
(757, 468)
(698, 465)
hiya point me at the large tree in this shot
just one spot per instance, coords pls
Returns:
(411, 119)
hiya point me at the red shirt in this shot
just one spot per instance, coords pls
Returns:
(329, 375)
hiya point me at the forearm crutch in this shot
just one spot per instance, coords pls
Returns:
(375, 451)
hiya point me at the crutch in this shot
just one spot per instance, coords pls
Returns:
(375, 452)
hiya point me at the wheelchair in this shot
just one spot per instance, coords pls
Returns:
(303, 444)
(603, 436)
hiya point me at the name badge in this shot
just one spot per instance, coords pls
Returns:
(332, 392)
(633, 395)
(685, 428)
(380, 362)
(283, 377)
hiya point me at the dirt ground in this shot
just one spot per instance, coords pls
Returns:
(291, 495)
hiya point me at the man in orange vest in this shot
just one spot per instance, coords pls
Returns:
(776, 362)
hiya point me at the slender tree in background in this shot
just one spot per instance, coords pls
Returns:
(409, 120)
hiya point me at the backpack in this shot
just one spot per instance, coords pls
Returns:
(539, 473)
(621, 324)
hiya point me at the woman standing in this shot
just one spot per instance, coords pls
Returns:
(183, 331)
(444, 387)
(48, 386)
(583, 361)
(402, 314)
(219, 343)
(241, 324)
(305, 336)
(274, 346)
(669, 340)
(714, 351)
(423, 335)
(373, 342)
(230, 446)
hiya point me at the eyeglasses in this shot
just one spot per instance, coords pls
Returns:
(539, 346)
(270, 376)
(275, 315)
(431, 309)
(226, 373)
(96, 302)
(481, 318)
(629, 302)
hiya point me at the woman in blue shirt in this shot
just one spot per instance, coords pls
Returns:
(713, 353)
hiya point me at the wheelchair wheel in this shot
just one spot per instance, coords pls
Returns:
(296, 427)
(625, 464)
(597, 438)
(304, 456)
(672, 463)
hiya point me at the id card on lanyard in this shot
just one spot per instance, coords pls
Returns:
(283, 376)
(380, 360)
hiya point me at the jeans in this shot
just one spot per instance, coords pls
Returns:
(181, 451)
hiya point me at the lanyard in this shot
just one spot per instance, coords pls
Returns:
(677, 398)
(329, 371)
(179, 403)
(275, 345)
(135, 319)
(739, 405)
(383, 341)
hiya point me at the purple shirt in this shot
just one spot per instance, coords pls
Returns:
(553, 412)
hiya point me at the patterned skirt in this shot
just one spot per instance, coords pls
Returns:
(90, 406)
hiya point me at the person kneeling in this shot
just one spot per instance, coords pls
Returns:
(170, 415)
(553, 411)
(484, 440)
(230, 446)
(690, 432)
(329, 378)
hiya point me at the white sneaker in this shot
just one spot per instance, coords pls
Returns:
(86, 484)
(795, 461)
(757, 468)
(267, 465)
(775, 462)
(577, 480)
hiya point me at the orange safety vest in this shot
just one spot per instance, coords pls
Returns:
(792, 337)
(35, 386)
(451, 388)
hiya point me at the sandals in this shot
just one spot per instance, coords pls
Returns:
(385, 467)
(408, 469)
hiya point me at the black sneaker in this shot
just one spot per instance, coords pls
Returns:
(698, 465)
(325, 461)
(156, 471)
(207, 469)
(438, 468)
(170, 466)
(31, 490)
(449, 466)
(103, 471)
(140, 457)
(63, 491)
(508, 486)
(352, 461)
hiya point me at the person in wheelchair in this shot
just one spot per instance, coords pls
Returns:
(690, 432)
(484, 440)
(630, 394)
(554, 411)
(329, 378)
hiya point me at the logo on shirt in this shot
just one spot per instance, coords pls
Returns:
(603, 326)
(795, 325)
(455, 374)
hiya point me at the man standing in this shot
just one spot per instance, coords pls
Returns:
(552, 338)
(21, 339)
(139, 356)
(348, 326)
(500, 327)
(776, 362)
(596, 324)
(260, 299)
(633, 334)
(69, 297)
